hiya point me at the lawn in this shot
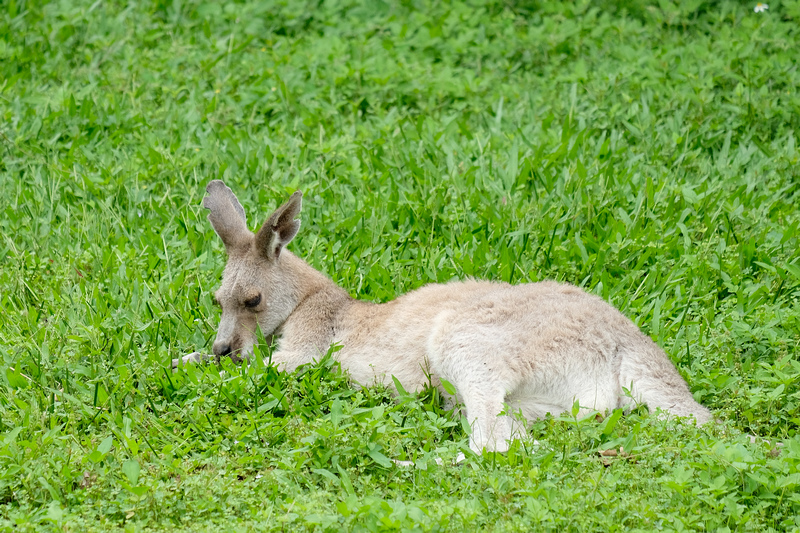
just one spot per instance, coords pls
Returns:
(644, 150)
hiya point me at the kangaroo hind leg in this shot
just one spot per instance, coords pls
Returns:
(490, 430)
(469, 349)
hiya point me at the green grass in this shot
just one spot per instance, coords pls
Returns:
(646, 151)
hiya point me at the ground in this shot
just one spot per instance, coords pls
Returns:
(645, 151)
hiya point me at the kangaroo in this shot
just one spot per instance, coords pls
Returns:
(534, 348)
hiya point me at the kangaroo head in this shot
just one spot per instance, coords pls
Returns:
(258, 289)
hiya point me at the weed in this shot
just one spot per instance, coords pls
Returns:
(646, 152)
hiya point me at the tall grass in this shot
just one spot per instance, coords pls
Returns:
(644, 151)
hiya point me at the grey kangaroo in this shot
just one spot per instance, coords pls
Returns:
(532, 348)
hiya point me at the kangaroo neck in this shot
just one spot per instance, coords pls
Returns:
(318, 301)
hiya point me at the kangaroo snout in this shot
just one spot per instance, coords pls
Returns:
(226, 349)
(221, 348)
(232, 337)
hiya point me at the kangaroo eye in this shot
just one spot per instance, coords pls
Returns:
(254, 301)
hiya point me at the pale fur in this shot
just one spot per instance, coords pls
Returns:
(533, 348)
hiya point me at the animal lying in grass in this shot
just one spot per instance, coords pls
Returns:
(531, 348)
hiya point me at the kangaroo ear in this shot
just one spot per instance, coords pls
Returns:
(280, 228)
(227, 216)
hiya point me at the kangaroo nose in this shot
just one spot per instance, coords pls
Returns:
(221, 348)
